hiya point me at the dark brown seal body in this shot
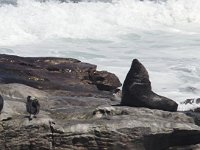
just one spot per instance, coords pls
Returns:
(137, 91)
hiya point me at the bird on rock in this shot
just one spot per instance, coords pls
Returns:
(32, 107)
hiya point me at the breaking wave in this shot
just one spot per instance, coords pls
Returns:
(26, 21)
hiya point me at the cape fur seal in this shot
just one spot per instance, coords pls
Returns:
(137, 91)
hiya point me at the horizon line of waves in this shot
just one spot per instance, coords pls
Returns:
(15, 2)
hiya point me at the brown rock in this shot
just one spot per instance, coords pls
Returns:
(55, 73)
(104, 80)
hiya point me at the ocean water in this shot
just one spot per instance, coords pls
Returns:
(163, 34)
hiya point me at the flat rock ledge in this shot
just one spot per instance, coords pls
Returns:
(49, 73)
(87, 120)
(81, 122)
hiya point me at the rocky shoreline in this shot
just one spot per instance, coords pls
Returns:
(79, 110)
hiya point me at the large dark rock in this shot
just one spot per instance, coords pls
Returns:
(137, 91)
(50, 73)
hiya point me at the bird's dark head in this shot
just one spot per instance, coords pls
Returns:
(51, 122)
(28, 98)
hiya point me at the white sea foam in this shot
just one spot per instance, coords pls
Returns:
(31, 20)
(193, 104)
(165, 36)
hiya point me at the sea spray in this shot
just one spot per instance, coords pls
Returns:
(33, 21)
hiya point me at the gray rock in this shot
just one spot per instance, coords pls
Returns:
(20, 91)
(137, 91)
(82, 122)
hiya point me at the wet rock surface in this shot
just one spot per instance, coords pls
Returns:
(191, 101)
(88, 120)
(193, 108)
(137, 90)
(50, 73)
